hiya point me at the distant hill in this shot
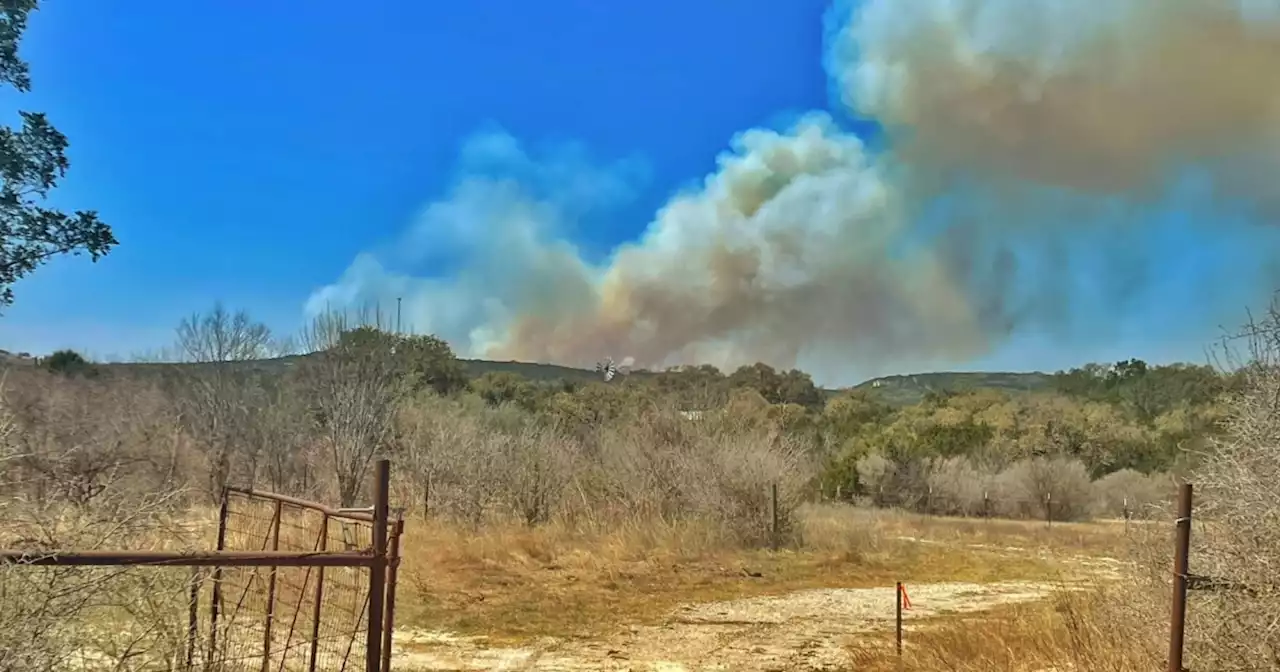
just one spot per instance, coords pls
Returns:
(474, 368)
(530, 370)
(902, 390)
(910, 389)
(15, 358)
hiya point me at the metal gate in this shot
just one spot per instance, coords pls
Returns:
(292, 585)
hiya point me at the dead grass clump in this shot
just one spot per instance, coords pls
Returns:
(1082, 631)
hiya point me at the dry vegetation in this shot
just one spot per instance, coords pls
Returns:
(564, 512)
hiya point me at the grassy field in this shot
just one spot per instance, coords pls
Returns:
(987, 595)
(558, 599)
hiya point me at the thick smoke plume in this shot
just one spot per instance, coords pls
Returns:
(1027, 143)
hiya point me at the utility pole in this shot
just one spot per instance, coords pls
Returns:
(398, 316)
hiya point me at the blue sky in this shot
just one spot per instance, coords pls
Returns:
(247, 155)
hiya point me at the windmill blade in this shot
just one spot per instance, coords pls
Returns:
(607, 368)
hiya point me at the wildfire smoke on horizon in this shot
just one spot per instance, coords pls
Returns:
(1032, 149)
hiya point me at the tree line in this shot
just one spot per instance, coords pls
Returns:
(1128, 417)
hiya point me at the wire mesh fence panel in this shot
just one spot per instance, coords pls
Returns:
(285, 618)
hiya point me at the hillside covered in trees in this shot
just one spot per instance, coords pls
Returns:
(945, 442)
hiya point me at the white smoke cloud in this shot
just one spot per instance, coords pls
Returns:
(503, 224)
(1030, 147)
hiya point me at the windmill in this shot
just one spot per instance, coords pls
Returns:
(608, 369)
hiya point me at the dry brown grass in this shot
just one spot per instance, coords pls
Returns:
(1085, 631)
(518, 582)
(535, 531)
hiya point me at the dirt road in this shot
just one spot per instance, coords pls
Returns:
(801, 631)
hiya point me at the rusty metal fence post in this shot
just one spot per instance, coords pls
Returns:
(898, 616)
(271, 588)
(193, 616)
(393, 570)
(316, 607)
(378, 568)
(1181, 567)
(216, 600)
(775, 531)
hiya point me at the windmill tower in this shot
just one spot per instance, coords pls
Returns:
(609, 370)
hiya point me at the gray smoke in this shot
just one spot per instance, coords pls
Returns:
(1036, 148)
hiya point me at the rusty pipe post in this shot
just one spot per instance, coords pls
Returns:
(323, 544)
(271, 588)
(378, 568)
(193, 617)
(775, 533)
(1181, 565)
(216, 599)
(392, 575)
(898, 616)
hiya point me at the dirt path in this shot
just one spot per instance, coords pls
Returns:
(802, 631)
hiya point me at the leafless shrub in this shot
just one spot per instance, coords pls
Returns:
(54, 618)
(1239, 506)
(665, 468)
(537, 465)
(957, 486)
(1028, 487)
(451, 451)
(229, 410)
(69, 437)
(638, 470)
(284, 439)
(907, 485)
(59, 618)
(353, 384)
(1127, 491)
(222, 336)
(873, 472)
(734, 484)
(658, 468)
(221, 410)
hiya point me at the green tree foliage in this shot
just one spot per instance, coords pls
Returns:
(1147, 391)
(693, 387)
(503, 387)
(952, 440)
(427, 360)
(433, 363)
(32, 160)
(792, 387)
(68, 362)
